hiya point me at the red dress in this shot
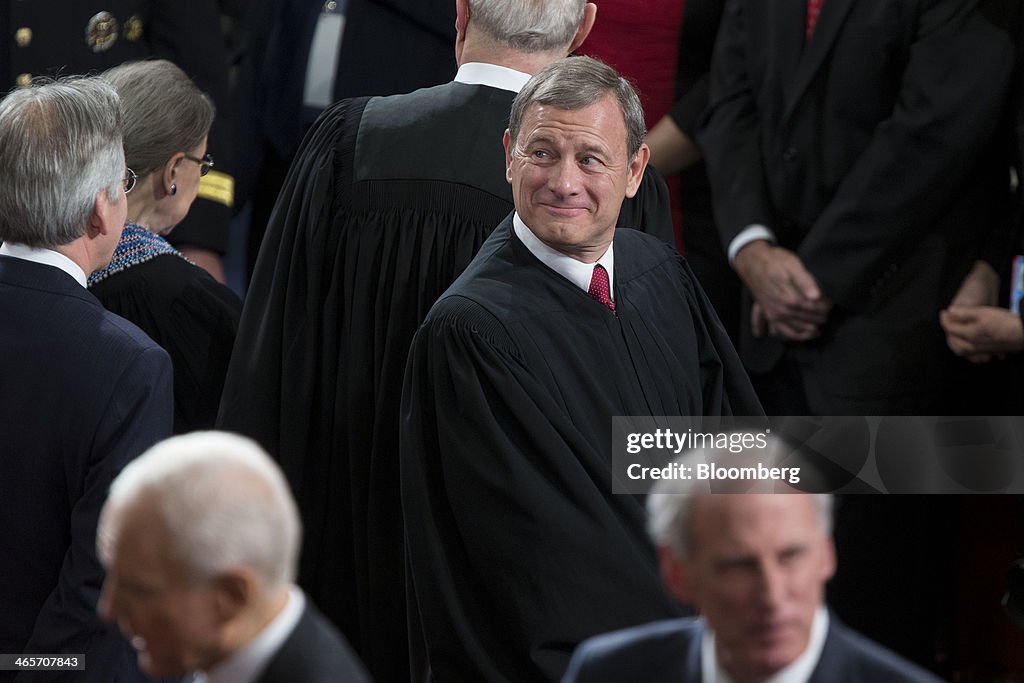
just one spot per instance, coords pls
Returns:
(640, 40)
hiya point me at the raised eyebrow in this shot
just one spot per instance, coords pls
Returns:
(593, 150)
(539, 139)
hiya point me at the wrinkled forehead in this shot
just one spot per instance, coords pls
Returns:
(752, 522)
(601, 121)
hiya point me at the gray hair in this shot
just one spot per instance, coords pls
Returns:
(529, 25)
(226, 505)
(60, 146)
(671, 501)
(164, 112)
(577, 82)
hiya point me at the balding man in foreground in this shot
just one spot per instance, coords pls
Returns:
(200, 537)
(755, 566)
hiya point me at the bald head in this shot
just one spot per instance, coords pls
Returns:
(223, 501)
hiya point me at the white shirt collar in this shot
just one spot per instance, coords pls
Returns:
(574, 271)
(479, 73)
(46, 257)
(247, 664)
(799, 671)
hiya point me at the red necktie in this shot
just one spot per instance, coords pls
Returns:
(599, 290)
(813, 9)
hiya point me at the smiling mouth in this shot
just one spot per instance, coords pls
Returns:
(565, 210)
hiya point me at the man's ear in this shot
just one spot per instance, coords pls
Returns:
(506, 140)
(637, 165)
(461, 23)
(828, 568)
(676, 576)
(589, 15)
(234, 591)
(104, 216)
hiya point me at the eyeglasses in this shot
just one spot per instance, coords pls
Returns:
(205, 164)
(129, 180)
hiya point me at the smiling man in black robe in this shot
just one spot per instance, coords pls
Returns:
(387, 202)
(516, 547)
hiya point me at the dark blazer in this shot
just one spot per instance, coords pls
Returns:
(82, 393)
(872, 154)
(670, 652)
(314, 653)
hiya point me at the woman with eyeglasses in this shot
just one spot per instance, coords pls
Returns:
(194, 317)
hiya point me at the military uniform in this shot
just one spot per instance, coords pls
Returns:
(68, 37)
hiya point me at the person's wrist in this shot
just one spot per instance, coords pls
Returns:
(750, 254)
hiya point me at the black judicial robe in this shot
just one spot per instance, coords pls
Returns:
(517, 549)
(191, 316)
(387, 201)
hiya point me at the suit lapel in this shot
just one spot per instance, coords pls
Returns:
(830, 22)
(833, 660)
(787, 18)
(692, 672)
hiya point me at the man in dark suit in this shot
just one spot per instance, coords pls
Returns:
(82, 391)
(200, 537)
(855, 165)
(755, 566)
(87, 36)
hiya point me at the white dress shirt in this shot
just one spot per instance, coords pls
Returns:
(798, 672)
(749, 234)
(47, 257)
(574, 271)
(479, 73)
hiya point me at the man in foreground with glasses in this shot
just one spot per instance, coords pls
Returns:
(82, 391)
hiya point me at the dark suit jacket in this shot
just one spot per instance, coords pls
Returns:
(314, 653)
(670, 652)
(82, 393)
(871, 153)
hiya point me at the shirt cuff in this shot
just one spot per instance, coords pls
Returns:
(748, 235)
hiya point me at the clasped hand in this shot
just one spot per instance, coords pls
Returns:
(975, 328)
(788, 302)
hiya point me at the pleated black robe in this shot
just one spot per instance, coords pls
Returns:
(188, 313)
(387, 202)
(517, 548)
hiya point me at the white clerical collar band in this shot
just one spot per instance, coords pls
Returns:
(478, 73)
